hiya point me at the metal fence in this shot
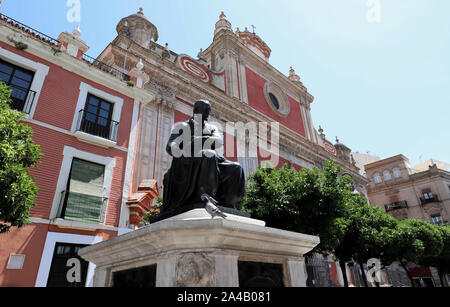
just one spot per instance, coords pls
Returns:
(318, 272)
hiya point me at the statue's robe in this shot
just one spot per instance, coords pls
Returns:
(190, 177)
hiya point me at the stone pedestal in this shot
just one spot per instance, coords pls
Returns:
(193, 250)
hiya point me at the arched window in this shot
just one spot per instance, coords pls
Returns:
(387, 176)
(377, 178)
(397, 173)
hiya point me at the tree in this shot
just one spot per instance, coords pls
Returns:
(413, 241)
(309, 201)
(18, 154)
(441, 261)
(366, 234)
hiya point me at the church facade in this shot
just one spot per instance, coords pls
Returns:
(103, 125)
(235, 76)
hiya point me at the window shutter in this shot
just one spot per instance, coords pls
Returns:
(85, 192)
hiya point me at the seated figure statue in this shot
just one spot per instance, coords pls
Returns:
(197, 169)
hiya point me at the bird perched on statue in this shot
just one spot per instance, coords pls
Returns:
(211, 208)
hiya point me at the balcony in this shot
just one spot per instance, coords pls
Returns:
(96, 129)
(430, 198)
(22, 99)
(396, 206)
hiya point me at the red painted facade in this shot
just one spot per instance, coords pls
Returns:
(257, 100)
(52, 124)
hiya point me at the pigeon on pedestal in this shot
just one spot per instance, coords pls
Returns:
(211, 208)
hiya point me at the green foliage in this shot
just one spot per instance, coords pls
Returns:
(321, 203)
(307, 201)
(153, 212)
(414, 240)
(18, 154)
(368, 231)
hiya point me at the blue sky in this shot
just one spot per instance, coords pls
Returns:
(381, 86)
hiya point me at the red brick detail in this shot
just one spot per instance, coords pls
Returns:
(142, 201)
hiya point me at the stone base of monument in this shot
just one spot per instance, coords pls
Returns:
(194, 250)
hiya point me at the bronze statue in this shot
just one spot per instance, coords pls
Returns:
(199, 177)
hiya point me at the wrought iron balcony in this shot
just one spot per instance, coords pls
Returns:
(396, 205)
(433, 198)
(22, 99)
(96, 125)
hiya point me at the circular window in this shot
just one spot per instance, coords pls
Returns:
(274, 100)
(277, 99)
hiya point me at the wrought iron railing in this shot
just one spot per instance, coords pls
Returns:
(22, 99)
(94, 124)
(29, 30)
(432, 198)
(106, 68)
(396, 205)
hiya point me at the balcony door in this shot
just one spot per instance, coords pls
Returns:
(19, 80)
(97, 117)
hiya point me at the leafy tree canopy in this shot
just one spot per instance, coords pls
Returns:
(18, 154)
(309, 201)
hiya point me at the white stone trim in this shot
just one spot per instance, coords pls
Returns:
(47, 255)
(306, 125)
(70, 153)
(86, 89)
(40, 73)
(80, 225)
(93, 139)
(124, 212)
(51, 127)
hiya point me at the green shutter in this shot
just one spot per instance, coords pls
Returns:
(85, 188)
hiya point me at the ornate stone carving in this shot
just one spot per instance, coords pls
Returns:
(195, 270)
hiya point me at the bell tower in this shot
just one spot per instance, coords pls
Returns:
(138, 28)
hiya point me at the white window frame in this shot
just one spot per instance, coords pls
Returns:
(71, 153)
(49, 248)
(40, 73)
(85, 90)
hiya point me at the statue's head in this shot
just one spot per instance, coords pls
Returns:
(203, 108)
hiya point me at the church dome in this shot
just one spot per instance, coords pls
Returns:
(138, 28)
(255, 43)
